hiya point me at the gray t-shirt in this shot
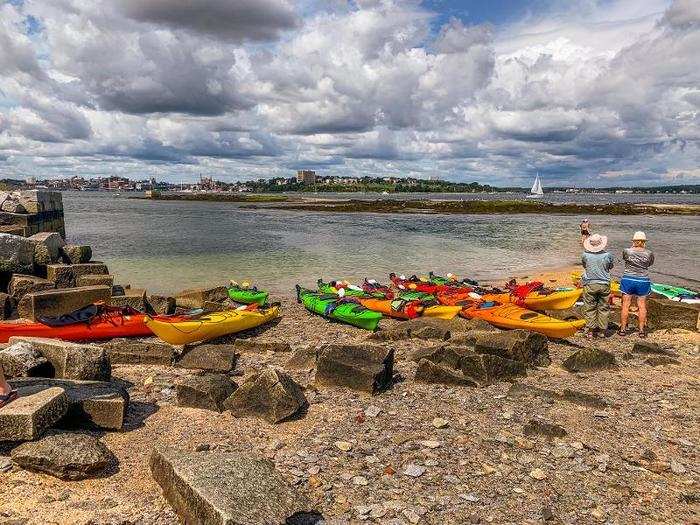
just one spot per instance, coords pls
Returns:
(637, 261)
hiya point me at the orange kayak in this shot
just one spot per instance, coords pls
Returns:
(393, 308)
(557, 300)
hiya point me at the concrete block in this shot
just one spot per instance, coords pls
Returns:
(76, 254)
(51, 303)
(20, 285)
(29, 416)
(94, 280)
(140, 352)
(195, 298)
(65, 275)
(16, 254)
(133, 297)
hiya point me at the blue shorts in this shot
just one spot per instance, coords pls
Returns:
(637, 286)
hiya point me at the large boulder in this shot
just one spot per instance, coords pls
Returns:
(210, 358)
(71, 360)
(65, 275)
(486, 369)
(140, 352)
(76, 254)
(428, 328)
(367, 368)
(70, 457)
(16, 254)
(207, 391)
(664, 313)
(227, 488)
(53, 303)
(20, 285)
(21, 359)
(432, 372)
(91, 404)
(47, 247)
(271, 395)
(588, 360)
(196, 297)
(29, 416)
(519, 345)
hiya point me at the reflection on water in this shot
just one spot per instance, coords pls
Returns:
(165, 246)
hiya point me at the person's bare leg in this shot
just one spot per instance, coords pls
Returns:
(4, 386)
(642, 314)
(624, 315)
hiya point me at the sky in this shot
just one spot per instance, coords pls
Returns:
(583, 92)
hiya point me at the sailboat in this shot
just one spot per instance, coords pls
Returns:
(536, 191)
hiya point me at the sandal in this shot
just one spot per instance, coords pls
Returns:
(5, 399)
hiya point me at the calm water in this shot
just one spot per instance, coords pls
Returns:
(165, 246)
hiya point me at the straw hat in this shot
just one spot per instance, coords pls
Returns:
(595, 243)
(639, 236)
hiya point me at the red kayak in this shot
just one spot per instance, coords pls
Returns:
(93, 323)
(414, 283)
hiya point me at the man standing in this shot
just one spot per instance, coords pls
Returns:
(597, 264)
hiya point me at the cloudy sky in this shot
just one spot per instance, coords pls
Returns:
(585, 92)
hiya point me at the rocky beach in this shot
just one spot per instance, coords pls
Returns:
(307, 421)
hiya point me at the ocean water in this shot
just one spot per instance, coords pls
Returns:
(166, 246)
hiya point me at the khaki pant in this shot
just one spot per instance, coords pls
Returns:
(595, 305)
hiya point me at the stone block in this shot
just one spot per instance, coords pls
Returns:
(207, 488)
(195, 298)
(431, 372)
(20, 285)
(47, 248)
(133, 298)
(161, 304)
(94, 280)
(28, 417)
(76, 254)
(71, 360)
(519, 345)
(486, 369)
(23, 360)
(209, 357)
(261, 346)
(427, 328)
(647, 347)
(664, 313)
(6, 306)
(53, 303)
(367, 368)
(69, 457)
(65, 275)
(271, 395)
(303, 358)
(91, 404)
(140, 352)
(207, 392)
(16, 254)
(588, 360)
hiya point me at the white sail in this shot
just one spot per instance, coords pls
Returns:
(537, 187)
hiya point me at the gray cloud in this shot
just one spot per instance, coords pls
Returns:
(236, 20)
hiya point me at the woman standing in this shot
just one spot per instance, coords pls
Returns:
(635, 281)
(585, 228)
(597, 264)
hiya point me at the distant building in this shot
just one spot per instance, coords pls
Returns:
(306, 176)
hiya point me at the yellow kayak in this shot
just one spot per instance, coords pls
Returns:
(614, 285)
(211, 325)
(442, 311)
(559, 300)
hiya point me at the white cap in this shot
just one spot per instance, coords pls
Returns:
(639, 236)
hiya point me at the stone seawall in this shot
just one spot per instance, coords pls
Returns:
(29, 212)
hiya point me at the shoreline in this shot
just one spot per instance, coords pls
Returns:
(480, 207)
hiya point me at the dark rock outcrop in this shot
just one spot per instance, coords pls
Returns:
(367, 368)
(271, 395)
(589, 359)
(431, 372)
(66, 456)
(207, 391)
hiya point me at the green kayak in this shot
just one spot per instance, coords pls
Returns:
(676, 293)
(247, 295)
(411, 295)
(328, 288)
(330, 307)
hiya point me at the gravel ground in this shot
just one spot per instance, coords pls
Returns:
(420, 453)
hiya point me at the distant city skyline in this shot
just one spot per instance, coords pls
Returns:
(587, 93)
